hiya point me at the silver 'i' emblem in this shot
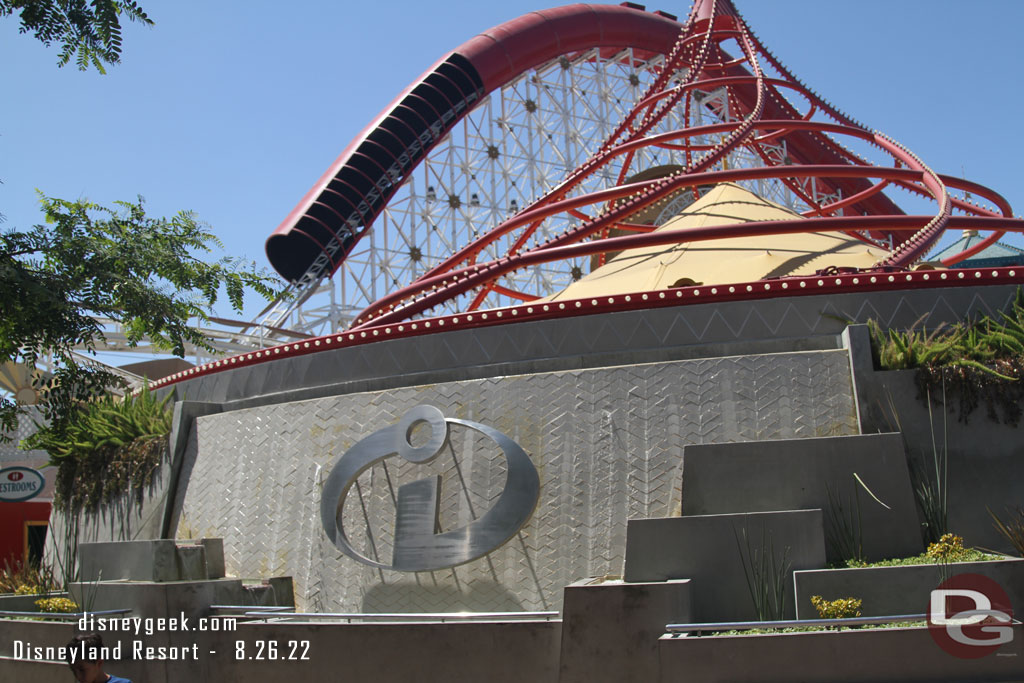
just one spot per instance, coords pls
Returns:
(417, 545)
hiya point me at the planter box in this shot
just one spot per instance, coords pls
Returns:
(705, 549)
(900, 590)
(10, 602)
(809, 474)
(986, 459)
(892, 654)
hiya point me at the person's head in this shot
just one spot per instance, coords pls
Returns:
(86, 665)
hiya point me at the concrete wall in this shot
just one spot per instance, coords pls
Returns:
(986, 459)
(886, 591)
(805, 474)
(37, 634)
(606, 438)
(510, 653)
(161, 578)
(695, 330)
(606, 442)
(861, 656)
(711, 551)
(610, 629)
(507, 652)
(155, 560)
(126, 519)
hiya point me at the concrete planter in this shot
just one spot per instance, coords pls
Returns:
(986, 458)
(899, 590)
(706, 550)
(9, 602)
(894, 654)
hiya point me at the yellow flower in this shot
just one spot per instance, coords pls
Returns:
(949, 548)
(57, 605)
(843, 608)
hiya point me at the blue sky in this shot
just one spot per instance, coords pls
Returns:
(233, 109)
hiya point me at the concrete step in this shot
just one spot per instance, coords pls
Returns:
(840, 475)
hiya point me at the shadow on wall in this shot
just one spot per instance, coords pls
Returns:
(480, 596)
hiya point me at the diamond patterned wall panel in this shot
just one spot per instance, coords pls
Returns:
(607, 443)
(639, 336)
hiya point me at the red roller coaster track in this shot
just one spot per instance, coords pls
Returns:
(712, 49)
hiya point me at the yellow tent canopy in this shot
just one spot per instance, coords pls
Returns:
(741, 259)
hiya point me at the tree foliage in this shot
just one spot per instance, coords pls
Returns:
(88, 31)
(109, 448)
(91, 262)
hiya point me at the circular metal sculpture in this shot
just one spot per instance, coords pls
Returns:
(417, 544)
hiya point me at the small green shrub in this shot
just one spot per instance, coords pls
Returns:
(108, 447)
(975, 361)
(895, 350)
(766, 573)
(842, 608)
(969, 555)
(810, 629)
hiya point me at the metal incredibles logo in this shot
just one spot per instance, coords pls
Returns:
(417, 544)
(969, 616)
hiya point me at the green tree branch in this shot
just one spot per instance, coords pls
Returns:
(89, 261)
(89, 31)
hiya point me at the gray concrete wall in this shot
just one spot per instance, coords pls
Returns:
(38, 634)
(126, 519)
(252, 474)
(711, 550)
(861, 656)
(805, 474)
(9, 602)
(32, 672)
(606, 442)
(986, 459)
(626, 337)
(498, 652)
(152, 560)
(171, 598)
(887, 591)
(143, 560)
(610, 629)
(695, 330)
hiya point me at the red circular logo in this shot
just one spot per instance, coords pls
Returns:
(16, 476)
(969, 616)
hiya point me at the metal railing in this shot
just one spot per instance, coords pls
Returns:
(404, 617)
(235, 610)
(64, 616)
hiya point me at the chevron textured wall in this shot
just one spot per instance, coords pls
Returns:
(606, 441)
